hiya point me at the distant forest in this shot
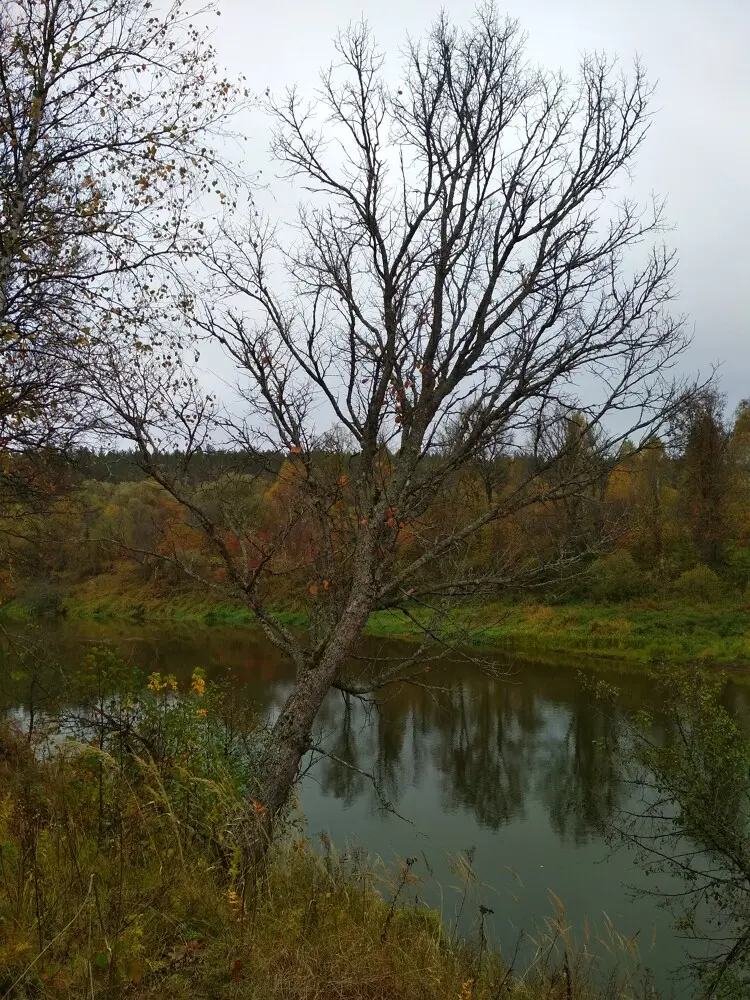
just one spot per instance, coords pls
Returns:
(668, 520)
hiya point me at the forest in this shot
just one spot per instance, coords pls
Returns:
(666, 523)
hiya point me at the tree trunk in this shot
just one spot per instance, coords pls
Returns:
(291, 735)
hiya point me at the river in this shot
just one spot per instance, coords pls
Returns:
(521, 768)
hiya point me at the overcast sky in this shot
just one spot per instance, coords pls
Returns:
(697, 154)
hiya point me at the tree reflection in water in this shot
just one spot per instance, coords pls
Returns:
(492, 745)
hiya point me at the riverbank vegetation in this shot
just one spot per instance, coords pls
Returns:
(122, 873)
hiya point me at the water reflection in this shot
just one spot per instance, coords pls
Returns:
(579, 781)
(345, 783)
(526, 768)
(482, 754)
(488, 746)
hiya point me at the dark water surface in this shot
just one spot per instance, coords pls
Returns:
(524, 769)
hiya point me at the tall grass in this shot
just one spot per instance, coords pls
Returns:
(122, 873)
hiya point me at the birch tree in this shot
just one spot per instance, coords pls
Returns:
(109, 119)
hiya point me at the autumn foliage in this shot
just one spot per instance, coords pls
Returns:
(105, 516)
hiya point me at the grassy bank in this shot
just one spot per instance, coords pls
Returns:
(121, 874)
(633, 632)
(637, 631)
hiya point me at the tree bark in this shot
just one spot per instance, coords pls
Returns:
(291, 735)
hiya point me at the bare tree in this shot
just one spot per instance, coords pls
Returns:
(456, 265)
(108, 114)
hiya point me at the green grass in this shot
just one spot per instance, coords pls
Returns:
(637, 631)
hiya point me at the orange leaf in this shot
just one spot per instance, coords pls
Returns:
(313, 590)
(325, 585)
(343, 480)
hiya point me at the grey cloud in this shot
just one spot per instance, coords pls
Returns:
(698, 152)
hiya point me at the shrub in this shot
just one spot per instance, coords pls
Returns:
(43, 598)
(616, 577)
(738, 565)
(699, 583)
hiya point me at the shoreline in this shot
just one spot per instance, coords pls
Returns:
(631, 634)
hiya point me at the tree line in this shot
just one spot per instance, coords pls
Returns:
(659, 521)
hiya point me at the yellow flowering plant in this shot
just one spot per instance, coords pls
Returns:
(179, 724)
(198, 682)
(159, 684)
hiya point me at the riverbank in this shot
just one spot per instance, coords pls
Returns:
(638, 631)
(125, 879)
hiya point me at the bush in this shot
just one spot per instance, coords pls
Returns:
(43, 599)
(738, 565)
(699, 584)
(616, 577)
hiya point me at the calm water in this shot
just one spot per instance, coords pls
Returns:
(523, 769)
